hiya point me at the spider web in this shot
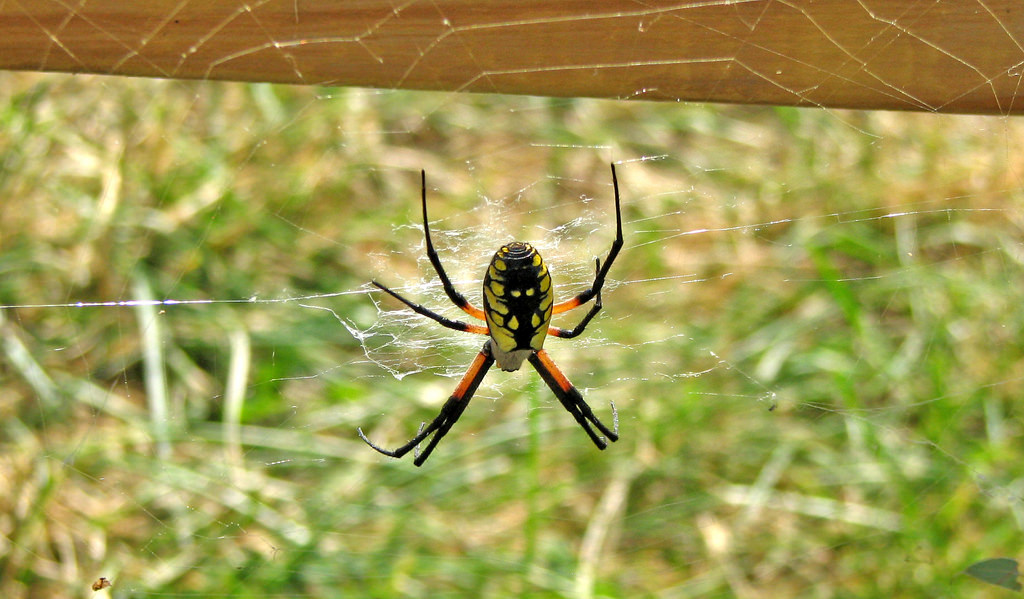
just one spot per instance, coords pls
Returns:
(811, 339)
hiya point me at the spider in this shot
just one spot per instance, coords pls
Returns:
(518, 304)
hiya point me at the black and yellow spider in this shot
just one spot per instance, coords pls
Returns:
(518, 304)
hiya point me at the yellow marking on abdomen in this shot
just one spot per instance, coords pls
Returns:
(503, 337)
(494, 303)
(537, 341)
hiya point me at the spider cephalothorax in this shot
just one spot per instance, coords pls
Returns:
(518, 305)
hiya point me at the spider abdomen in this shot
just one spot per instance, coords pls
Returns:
(517, 303)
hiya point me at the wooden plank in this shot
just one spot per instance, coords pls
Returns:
(941, 55)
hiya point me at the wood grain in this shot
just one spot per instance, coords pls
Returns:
(944, 55)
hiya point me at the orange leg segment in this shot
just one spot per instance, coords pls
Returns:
(572, 400)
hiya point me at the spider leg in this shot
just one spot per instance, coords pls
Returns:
(602, 271)
(572, 400)
(573, 332)
(450, 412)
(453, 294)
(458, 325)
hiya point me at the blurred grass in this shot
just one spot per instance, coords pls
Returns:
(859, 272)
